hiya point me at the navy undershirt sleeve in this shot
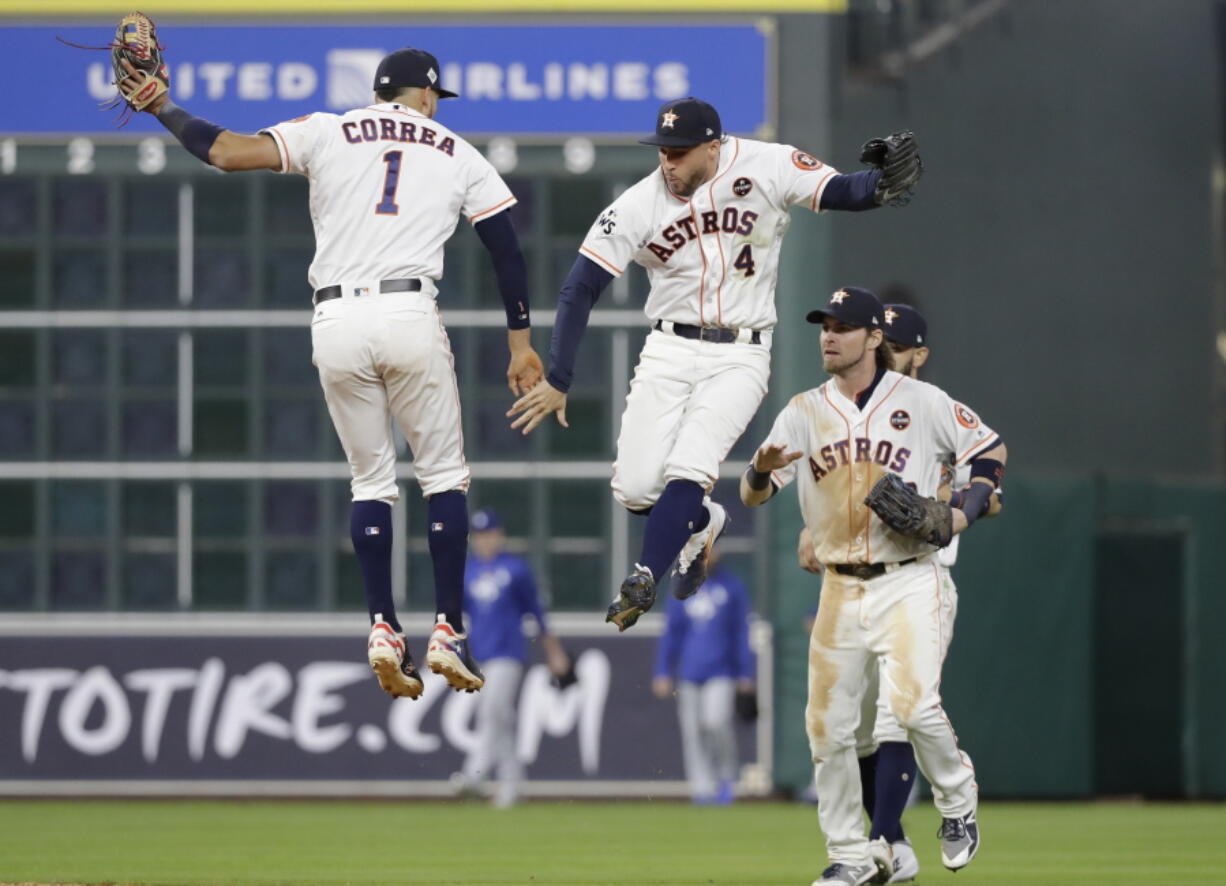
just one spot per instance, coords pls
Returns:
(498, 236)
(852, 192)
(583, 286)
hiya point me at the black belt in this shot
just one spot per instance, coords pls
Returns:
(865, 571)
(410, 285)
(716, 334)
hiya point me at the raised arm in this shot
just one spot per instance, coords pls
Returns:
(497, 235)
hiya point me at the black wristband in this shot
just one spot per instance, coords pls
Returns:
(193, 133)
(757, 480)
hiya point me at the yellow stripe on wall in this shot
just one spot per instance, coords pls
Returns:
(434, 7)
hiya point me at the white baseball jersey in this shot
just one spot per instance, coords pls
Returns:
(948, 555)
(388, 186)
(712, 259)
(907, 427)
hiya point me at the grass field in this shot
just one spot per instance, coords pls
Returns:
(576, 844)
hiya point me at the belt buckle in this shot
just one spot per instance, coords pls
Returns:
(708, 333)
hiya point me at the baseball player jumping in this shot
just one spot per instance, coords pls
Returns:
(866, 449)
(885, 757)
(707, 226)
(387, 186)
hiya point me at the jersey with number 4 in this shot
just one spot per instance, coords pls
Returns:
(712, 259)
(388, 186)
(906, 427)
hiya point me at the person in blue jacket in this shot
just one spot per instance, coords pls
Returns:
(704, 653)
(499, 591)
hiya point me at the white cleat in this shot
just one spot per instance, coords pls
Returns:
(959, 841)
(390, 660)
(883, 857)
(847, 875)
(692, 562)
(448, 656)
(906, 862)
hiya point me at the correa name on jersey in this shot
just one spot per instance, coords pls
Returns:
(385, 129)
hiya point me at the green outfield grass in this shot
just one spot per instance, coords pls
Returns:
(575, 844)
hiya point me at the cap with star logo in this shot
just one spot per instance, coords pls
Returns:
(852, 305)
(905, 326)
(685, 122)
(410, 67)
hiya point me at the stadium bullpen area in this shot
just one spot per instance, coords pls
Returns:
(569, 844)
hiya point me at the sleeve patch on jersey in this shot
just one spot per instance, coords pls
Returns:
(804, 161)
(965, 417)
(900, 419)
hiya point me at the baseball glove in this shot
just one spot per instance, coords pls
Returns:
(136, 42)
(897, 156)
(908, 513)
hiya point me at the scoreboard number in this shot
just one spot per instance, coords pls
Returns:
(151, 156)
(80, 156)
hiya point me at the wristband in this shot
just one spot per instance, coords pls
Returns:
(757, 480)
(193, 133)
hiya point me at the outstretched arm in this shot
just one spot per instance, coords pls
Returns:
(498, 236)
(579, 293)
(756, 485)
(228, 151)
(852, 192)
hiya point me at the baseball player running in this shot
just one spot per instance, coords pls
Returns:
(885, 757)
(707, 226)
(866, 450)
(387, 186)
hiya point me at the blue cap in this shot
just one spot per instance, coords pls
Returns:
(905, 326)
(484, 520)
(410, 67)
(684, 122)
(852, 305)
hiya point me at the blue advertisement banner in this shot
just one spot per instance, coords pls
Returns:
(513, 80)
(291, 714)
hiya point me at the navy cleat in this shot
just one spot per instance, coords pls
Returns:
(637, 594)
(692, 562)
(959, 841)
(448, 656)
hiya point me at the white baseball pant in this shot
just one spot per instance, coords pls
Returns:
(689, 402)
(495, 754)
(382, 356)
(877, 722)
(895, 620)
(708, 733)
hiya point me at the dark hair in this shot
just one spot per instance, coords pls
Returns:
(885, 356)
(390, 93)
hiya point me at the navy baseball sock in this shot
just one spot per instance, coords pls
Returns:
(670, 524)
(370, 527)
(895, 778)
(868, 782)
(447, 514)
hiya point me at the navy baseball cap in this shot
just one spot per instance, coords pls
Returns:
(410, 67)
(683, 123)
(854, 306)
(905, 326)
(484, 520)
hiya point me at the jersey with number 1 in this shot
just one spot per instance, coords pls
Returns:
(712, 259)
(388, 186)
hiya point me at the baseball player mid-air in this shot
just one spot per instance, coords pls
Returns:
(866, 449)
(707, 226)
(885, 757)
(387, 187)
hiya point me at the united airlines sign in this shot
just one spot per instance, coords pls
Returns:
(517, 80)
